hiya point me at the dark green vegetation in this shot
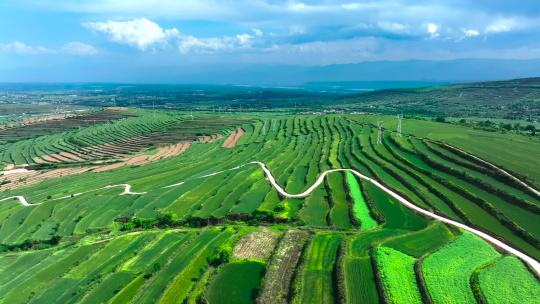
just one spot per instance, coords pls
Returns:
(513, 99)
(235, 283)
(347, 242)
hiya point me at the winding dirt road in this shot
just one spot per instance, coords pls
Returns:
(535, 265)
(22, 200)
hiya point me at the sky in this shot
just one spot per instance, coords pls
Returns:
(85, 40)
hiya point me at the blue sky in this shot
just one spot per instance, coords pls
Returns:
(63, 37)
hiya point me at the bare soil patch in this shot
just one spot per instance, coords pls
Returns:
(281, 268)
(233, 138)
(256, 245)
(33, 177)
(142, 159)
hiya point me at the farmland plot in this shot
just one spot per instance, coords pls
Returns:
(315, 280)
(280, 270)
(507, 280)
(396, 272)
(256, 245)
(447, 271)
(235, 283)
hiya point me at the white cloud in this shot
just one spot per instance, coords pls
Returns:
(432, 29)
(471, 33)
(296, 30)
(188, 43)
(257, 32)
(79, 48)
(141, 32)
(244, 39)
(18, 47)
(502, 25)
(393, 27)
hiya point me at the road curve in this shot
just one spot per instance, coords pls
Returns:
(534, 264)
(127, 189)
(21, 199)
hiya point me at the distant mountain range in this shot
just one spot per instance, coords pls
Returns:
(461, 70)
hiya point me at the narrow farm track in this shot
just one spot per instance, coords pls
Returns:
(535, 265)
(127, 189)
(21, 199)
(498, 169)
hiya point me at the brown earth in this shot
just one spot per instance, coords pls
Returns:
(233, 138)
(32, 177)
(281, 268)
(33, 120)
(256, 245)
(142, 159)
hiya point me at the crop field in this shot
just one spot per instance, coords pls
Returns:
(235, 283)
(396, 271)
(231, 208)
(494, 286)
(447, 271)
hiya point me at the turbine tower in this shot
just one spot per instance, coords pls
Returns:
(379, 133)
(399, 118)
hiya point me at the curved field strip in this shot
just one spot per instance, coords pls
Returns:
(532, 262)
(506, 279)
(447, 272)
(360, 208)
(280, 270)
(524, 184)
(396, 273)
(314, 283)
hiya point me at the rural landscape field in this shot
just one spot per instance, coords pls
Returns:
(269, 152)
(125, 204)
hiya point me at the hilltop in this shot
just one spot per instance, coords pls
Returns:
(511, 99)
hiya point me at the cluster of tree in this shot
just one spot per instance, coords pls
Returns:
(31, 244)
(488, 125)
(221, 256)
(167, 220)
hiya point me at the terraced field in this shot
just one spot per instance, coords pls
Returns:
(208, 225)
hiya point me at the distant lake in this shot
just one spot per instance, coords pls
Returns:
(366, 86)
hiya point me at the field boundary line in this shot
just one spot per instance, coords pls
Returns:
(493, 166)
(535, 265)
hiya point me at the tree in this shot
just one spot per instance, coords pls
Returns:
(440, 119)
(221, 256)
(531, 128)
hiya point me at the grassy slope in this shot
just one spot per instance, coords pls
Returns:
(490, 146)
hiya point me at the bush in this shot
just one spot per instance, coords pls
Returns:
(220, 256)
(440, 119)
